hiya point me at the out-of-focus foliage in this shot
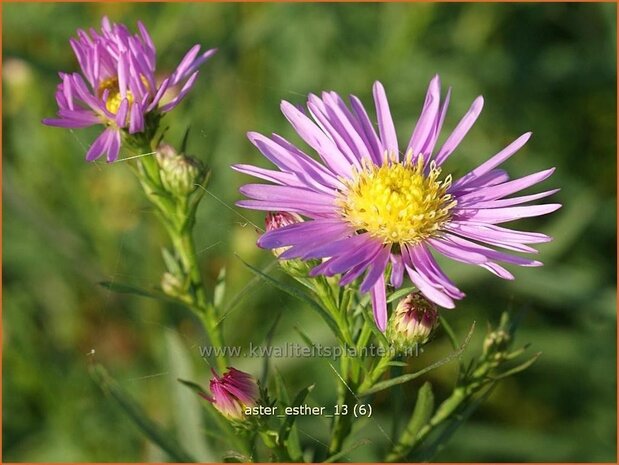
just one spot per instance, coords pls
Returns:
(67, 225)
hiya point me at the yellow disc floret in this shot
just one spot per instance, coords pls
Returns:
(114, 99)
(397, 202)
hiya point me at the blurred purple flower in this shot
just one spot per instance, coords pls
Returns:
(117, 86)
(371, 204)
(232, 392)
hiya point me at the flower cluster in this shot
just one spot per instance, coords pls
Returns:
(374, 206)
(118, 87)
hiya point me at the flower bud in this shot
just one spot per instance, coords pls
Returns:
(412, 322)
(497, 342)
(232, 392)
(172, 285)
(179, 173)
(276, 220)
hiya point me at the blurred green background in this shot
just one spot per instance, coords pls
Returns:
(68, 225)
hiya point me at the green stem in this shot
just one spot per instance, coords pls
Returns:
(445, 411)
(178, 218)
(375, 374)
(459, 397)
(184, 245)
(342, 423)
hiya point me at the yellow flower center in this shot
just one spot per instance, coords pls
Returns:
(397, 202)
(114, 99)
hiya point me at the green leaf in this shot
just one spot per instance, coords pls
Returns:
(397, 363)
(171, 262)
(187, 413)
(302, 296)
(428, 451)
(236, 457)
(286, 427)
(401, 293)
(348, 450)
(267, 342)
(220, 288)
(185, 140)
(130, 289)
(193, 386)
(517, 369)
(424, 406)
(280, 387)
(423, 410)
(450, 332)
(305, 337)
(369, 320)
(411, 376)
(152, 430)
(227, 309)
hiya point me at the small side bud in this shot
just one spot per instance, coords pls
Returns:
(276, 220)
(412, 322)
(497, 342)
(172, 285)
(179, 173)
(232, 393)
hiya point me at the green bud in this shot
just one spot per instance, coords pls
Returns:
(172, 285)
(179, 173)
(497, 342)
(412, 322)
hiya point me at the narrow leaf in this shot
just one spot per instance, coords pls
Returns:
(369, 320)
(248, 287)
(305, 337)
(396, 363)
(185, 140)
(152, 430)
(411, 376)
(302, 296)
(450, 332)
(426, 453)
(130, 289)
(286, 427)
(268, 341)
(280, 386)
(170, 261)
(517, 369)
(193, 386)
(187, 414)
(422, 413)
(348, 450)
(220, 288)
(401, 293)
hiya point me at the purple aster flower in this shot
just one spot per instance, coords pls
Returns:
(376, 208)
(117, 86)
(232, 392)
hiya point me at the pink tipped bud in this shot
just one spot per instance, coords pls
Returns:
(232, 392)
(413, 321)
(276, 220)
